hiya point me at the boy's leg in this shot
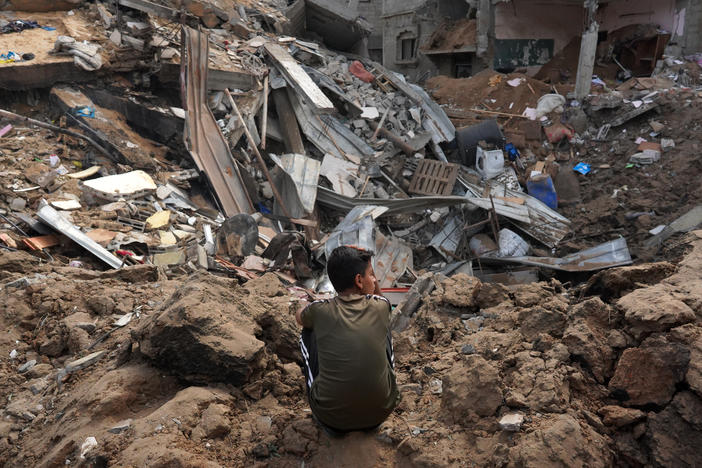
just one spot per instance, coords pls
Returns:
(310, 365)
(310, 369)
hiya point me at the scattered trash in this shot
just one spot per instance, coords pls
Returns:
(489, 164)
(88, 444)
(582, 168)
(541, 187)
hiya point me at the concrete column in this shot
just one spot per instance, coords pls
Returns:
(483, 19)
(588, 52)
(586, 62)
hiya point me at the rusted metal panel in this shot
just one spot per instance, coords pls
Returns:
(434, 178)
(203, 137)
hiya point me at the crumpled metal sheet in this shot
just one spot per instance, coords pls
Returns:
(202, 135)
(298, 184)
(359, 234)
(327, 133)
(608, 255)
(449, 238)
(533, 217)
(52, 217)
(355, 229)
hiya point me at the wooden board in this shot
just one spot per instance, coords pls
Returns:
(299, 79)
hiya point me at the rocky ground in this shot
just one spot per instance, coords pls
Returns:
(206, 373)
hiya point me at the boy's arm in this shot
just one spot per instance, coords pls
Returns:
(298, 315)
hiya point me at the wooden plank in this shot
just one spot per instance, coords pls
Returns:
(298, 78)
(288, 122)
(42, 242)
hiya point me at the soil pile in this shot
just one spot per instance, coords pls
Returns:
(451, 35)
(488, 90)
(205, 372)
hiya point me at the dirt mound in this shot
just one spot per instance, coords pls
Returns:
(451, 35)
(477, 92)
(208, 330)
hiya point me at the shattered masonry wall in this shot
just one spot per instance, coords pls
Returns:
(691, 17)
(620, 13)
(371, 11)
(561, 21)
(525, 19)
(420, 17)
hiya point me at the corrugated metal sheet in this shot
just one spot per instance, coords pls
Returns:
(392, 258)
(326, 133)
(332, 199)
(541, 222)
(203, 137)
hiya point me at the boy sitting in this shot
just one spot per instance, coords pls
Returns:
(347, 348)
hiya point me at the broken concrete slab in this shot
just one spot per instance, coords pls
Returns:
(298, 79)
(134, 184)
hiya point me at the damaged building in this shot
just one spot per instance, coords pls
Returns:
(457, 38)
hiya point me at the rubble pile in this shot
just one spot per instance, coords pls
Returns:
(176, 173)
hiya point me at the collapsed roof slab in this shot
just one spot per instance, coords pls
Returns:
(40, 5)
(340, 27)
(44, 69)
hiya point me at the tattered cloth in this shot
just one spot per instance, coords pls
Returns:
(85, 54)
(18, 26)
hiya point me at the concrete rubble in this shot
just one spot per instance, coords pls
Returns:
(174, 175)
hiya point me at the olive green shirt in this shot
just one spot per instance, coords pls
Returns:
(355, 387)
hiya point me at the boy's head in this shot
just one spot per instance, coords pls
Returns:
(350, 270)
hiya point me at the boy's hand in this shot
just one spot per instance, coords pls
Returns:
(377, 290)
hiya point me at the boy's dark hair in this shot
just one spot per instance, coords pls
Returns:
(344, 264)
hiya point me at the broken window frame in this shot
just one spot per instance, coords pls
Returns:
(403, 36)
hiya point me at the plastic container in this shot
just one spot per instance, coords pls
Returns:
(541, 186)
(467, 139)
(489, 164)
(511, 245)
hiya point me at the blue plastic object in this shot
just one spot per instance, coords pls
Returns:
(541, 187)
(512, 152)
(85, 111)
(582, 168)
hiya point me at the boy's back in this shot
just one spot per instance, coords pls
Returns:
(355, 387)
